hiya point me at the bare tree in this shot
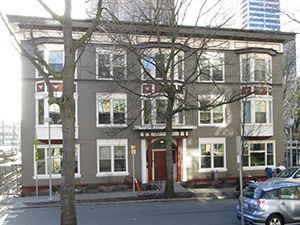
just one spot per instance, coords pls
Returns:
(66, 101)
(162, 53)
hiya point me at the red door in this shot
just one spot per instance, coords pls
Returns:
(160, 164)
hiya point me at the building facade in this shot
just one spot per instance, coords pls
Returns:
(110, 118)
(260, 14)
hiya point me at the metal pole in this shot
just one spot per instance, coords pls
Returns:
(49, 120)
(133, 175)
(291, 149)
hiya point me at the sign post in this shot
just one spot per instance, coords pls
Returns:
(133, 152)
(49, 120)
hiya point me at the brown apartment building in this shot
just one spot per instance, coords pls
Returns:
(110, 118)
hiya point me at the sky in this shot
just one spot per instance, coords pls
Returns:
(10, 83)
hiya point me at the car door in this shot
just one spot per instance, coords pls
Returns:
(289, 204)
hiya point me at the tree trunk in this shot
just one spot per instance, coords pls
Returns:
(67, 105)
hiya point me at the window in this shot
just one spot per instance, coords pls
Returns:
(258, 111)
(112, 157)
(210, 115)
(256, 67)
(42, 159)
(111, 64)
(158, 65)
(154, 112)
(56, 60)
(212, 153)
(257, 154)
(111, 109)
(44, 110)
(212, 67)
(53, 55)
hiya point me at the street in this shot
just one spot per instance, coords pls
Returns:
(209, 212)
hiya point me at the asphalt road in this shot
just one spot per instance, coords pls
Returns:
(211, 212)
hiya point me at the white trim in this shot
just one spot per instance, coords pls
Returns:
(111, 143)
(144, 169)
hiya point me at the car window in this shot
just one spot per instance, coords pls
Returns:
(288, 193)
(252, 192)
(287, 173)
(273, 194)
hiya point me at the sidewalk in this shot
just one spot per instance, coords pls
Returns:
(118, 197)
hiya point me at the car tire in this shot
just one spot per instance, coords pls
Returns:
(275, 220)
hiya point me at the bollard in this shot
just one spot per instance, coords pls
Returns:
(138, 187)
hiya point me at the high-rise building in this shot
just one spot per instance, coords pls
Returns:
(260, 14)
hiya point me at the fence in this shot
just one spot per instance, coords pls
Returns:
(10, 179)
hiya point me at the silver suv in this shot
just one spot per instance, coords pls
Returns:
(271, 203)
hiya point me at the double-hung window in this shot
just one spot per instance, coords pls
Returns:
(111, 109)
(154, 111)
(53, 55)
(211, 112)
(256, 67)
(112, 155)
(212, 67)
(258, 110)
(111, 64)
(158, 65)
(212, 154)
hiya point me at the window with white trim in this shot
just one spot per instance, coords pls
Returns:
(42, 161)
(256, 67)
(212, 67)
(154, 110)
(156, 65)
(258, 110)
(53, 54)
(111, 109)
(259, 154)
(212, 154)
(112, 157)
(111, 64)
(44, 110)
(210, 115)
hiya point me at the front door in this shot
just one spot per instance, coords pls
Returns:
(160, 164)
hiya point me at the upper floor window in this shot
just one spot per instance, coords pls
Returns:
(212, 67)
(256, 67)
(53, 55)
(111, 109)
(210, 115)
(158, 65)
(154, 111)
(111, 64)
(258, 111)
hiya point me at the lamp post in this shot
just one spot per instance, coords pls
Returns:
(49, 121)
(291, 123)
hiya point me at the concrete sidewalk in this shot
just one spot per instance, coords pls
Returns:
(118, 197)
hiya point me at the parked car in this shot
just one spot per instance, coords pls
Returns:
(270, 203)
(291, 174)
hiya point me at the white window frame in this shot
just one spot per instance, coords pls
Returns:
(44, 96)
(260, 167)
(46, 156)
(152, 53)
(111, 53)
(112, 143)
(176, 117)
(216, 99)
(110, 97)
(210, 56)
(269, 109)
(212, 141)
(46, 48)
(252, 57)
